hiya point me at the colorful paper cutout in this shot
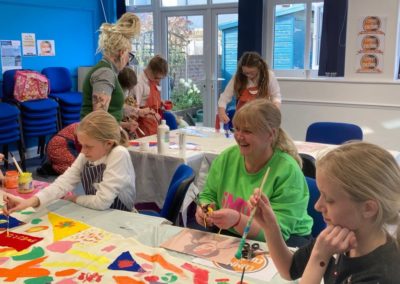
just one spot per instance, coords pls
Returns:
(60, 246)
(126, 262)
(36, 252)
(10, 220)
(64, 227)
(27, 269)
(36, 229)
(17, 241)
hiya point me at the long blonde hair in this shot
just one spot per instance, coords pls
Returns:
(261, 115)
(102, 126)
(367, 172)
(117, 37)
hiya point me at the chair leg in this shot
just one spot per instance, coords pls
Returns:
(42, 142)
(22, 154)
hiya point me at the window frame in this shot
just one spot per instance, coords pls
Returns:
(268, 44)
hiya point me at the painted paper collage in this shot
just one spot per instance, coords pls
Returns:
(55, 249)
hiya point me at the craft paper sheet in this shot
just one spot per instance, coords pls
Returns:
(70, 252)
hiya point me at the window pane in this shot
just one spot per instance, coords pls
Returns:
(224, 1)
(289, 36)
(186, 61)
(227, 51)
(173, 3)
(316, 31)
(137, 2)
(143, 46)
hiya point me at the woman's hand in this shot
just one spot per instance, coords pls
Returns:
(334, 239)
(222, 115)
(13, 203)
(203, 215)
(225, 218)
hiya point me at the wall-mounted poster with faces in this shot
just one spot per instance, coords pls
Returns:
(370, 44)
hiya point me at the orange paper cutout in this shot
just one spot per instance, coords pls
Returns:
(27, 269)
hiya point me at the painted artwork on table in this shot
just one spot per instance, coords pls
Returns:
(9, 222)
(219, 248)
(64, 250)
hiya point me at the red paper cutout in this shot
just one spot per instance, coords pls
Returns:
(200, 275)
(17, 241)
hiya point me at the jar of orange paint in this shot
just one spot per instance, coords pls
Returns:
(11, 179)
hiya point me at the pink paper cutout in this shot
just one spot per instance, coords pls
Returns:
(60, 246)
(108, 248)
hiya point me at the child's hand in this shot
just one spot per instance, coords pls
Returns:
(335, 239)
(13, 203)
(222, 115)
(264, 213)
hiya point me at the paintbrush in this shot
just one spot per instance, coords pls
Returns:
(226, 128)
(16, 163)
(141, 131)
(238, 254)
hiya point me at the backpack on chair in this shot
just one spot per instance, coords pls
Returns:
(30, 85)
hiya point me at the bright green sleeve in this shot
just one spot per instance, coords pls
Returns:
(289, 201)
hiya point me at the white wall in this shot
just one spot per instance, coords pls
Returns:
(369, 100)
(375, 106)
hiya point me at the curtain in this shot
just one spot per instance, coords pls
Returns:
(121, 8)
(333, 38)
(250, 26)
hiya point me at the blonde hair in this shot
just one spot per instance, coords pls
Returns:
(261, 116)
(117, 37)
(102, 126)
(367, 172)
(252, 59)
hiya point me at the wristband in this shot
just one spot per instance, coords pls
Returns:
(238, 221)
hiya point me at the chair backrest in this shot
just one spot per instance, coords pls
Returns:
(170, 119)
(319, 223)
(181, 180)
(333, 132)
(308, 165)
(8, 84)
(60, 79)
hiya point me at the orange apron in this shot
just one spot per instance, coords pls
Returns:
(247, 95)
(149, 123)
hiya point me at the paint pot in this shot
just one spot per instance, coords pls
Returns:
(11, 179)
(25, 183)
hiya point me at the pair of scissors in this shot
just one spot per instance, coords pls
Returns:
(249, 249)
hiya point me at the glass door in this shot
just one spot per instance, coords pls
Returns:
(201, 47)
(183, 43)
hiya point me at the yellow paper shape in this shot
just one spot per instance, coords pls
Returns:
(64, 227)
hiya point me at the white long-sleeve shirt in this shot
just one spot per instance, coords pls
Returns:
(118, 181)
(142, 90)
(273, 89)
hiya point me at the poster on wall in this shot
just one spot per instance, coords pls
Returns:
(370, 44)
(11, 57)
(46, 47)
(28, 44)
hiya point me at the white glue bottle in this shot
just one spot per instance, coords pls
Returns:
(162, 137)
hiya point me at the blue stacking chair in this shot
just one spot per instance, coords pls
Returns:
(319, 223)
(170, 119)
(308, 165)
(60, 89)
(181, 180)
(39, 118)
(333, 132)
(10, 132)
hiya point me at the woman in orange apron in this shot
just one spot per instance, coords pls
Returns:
(252, 80)
(148, 96)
